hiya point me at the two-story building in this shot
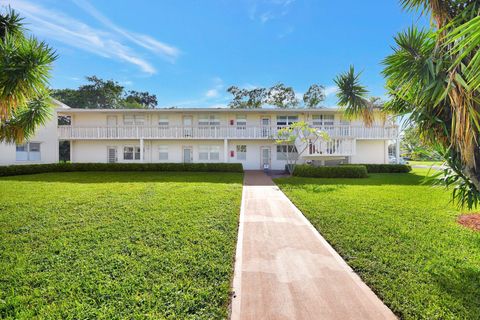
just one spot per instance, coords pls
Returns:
(201, 135)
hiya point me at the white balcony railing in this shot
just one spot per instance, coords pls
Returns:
(214, 132)
(332, 147)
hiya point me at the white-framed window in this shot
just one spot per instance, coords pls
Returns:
(29, 151)
(286, 120)
(241, 152)
(133, 120)
(241, 121)
(163, 120)
(208, 120)
(211, 153)
(319, 120)
(131, 153)
(163, 152)
(283, 150)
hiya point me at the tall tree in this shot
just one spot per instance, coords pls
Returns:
(434, 76)
(104, 94)
(281, 96)
(25, 65)
(145, 99)
(246, 99)
(354, 96)
(314, 96)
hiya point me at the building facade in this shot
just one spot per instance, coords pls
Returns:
(202, 135)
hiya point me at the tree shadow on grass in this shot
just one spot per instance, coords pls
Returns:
(374, 179)
(128, 177)
(461, 284)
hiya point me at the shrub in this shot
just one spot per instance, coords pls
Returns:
(386, 168)
(68, 167)
(358, 171)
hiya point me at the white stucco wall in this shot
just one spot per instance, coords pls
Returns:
(45, 135)
(371, 151)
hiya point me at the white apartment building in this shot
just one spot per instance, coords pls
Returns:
(201, 135)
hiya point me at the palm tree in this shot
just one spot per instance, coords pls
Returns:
(433, 75)
(25, 65)
(353, 96)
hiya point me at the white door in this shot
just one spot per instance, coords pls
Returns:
(187, 154)
(265, 156)
(187, 126)
(265, 124)
(112, 154)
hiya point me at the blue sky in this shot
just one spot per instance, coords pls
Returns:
(189, 52)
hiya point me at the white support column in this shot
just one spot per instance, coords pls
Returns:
(71, 151)
(225, 150)
(141, 150)
(397, 151)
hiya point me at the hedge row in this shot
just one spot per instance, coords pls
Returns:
(385, 168)
(351, 171)
(68, 167)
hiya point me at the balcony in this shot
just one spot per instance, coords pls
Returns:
(214, 132)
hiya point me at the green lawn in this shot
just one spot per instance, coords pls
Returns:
(124, 245)
(401, 237)
(425, 163)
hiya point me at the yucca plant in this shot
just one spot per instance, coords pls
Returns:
(433, 75)
(25, 65)
(353, 96)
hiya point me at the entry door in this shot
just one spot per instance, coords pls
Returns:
(187, 126)
(187, 154)
(265, 123)
(112, 154)
(265, 153)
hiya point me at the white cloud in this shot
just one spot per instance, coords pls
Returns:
(61, 27)
(142, 40)
(329, 90)
(212, 93)
(267, 10)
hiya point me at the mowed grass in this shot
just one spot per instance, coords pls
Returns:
(401, 237)
(126, 245)
(425, 163)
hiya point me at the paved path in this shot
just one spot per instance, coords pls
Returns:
(285, 269)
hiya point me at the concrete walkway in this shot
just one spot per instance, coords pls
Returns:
(286, 270)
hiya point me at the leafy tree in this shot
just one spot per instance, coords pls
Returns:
(414, 147)
(104, 94)
(281, 96)
(246, 99)
(145, 99)
(297, 137)
(25, 65)
(314, 96)
(434, 76)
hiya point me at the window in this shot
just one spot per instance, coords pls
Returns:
(319, 120)
(241, 121)
(29, 151)
(163, 120)
(131, 153)
(283, 150)
(241, 152)
(209, 153)
(133, 120)
(163, 152)
(286, 120)
(208, 120)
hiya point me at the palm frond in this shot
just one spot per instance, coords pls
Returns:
(22, 124)
(353, 96)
